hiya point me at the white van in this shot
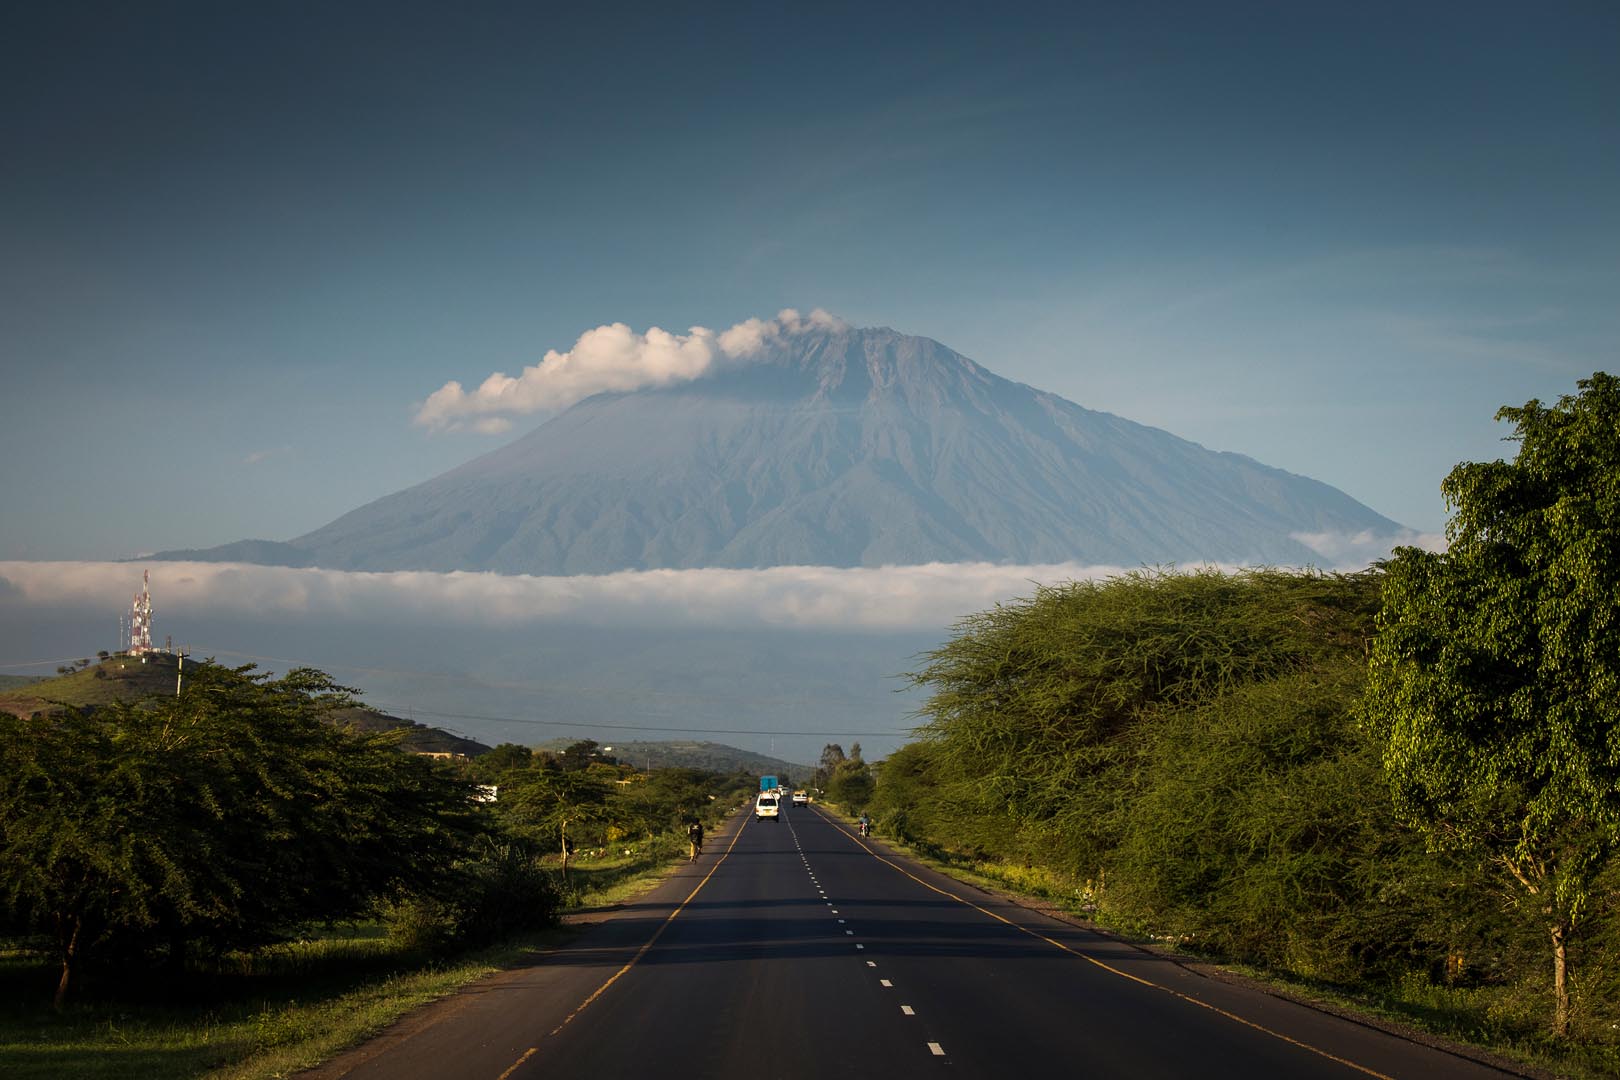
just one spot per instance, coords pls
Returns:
(768, 805)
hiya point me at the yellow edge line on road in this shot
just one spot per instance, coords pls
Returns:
(530, 1052)
(1114, 970)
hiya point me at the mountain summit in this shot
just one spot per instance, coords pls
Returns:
(831, 446)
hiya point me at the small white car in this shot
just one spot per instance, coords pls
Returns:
(800, 798)
(767, 806)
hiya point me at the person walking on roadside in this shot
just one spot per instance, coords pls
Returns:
(694, 833)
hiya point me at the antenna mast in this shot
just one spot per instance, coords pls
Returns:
(140, 619)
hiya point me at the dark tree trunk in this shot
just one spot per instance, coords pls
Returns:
(1560, 981)
(70, 957)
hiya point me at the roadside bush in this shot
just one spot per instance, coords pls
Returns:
(422, 924)
(502, 890)
(1262, 830)
(506, 891)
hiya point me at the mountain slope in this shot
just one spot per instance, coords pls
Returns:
(699, 754)
(835, 447)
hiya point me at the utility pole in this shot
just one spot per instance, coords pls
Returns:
(178, 669)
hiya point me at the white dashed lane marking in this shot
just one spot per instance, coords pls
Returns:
(908, 1010)
(936, 1049)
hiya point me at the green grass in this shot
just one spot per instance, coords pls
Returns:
(594, 883)
(319, 998)
(116, 679)
(271, 1012)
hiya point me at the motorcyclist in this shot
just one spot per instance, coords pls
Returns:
(865, 824)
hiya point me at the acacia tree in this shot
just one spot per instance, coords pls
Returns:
(232, 812)
(1495, 675)
(548, 800)
(1034, 704)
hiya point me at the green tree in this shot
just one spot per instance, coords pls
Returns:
(1495, 676)
(1263, 829)
(505, 758)
(832, 756)
(1035, 704)
(233, 812)
(582, 755)
(851, 784)
(905, 798)
(545, 802)
(672, 796)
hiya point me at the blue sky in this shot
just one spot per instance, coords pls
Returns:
(240, 245)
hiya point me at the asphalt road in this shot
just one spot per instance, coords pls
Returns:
(795, 949)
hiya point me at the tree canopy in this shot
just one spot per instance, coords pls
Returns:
(231, 812)
(1495, 676)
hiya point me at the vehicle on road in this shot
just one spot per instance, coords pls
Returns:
(800, 798)
(767, 806)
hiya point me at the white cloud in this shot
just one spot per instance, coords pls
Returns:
(608, 358)
(793, 597)
(876, 599)
(1356, 551)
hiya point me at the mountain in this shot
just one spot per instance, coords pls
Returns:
(690, 754)
(836, 447)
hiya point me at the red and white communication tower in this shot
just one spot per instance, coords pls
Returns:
(140, 619)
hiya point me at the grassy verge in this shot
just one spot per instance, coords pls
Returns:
(1495, 1019)
(272, 1012)
(603, 882)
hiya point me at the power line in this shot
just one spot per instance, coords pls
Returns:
(632, 694)
(41, 663)
(414, 709)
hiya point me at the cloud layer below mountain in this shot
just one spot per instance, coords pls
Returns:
(1349, 551)
(797, 597)
(874, 600)
(609, 358)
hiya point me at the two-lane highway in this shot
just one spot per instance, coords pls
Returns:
(796, 949)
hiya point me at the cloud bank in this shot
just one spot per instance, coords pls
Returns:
(609, 358)
(789, 597)
(1350, 551)
(817, 598)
